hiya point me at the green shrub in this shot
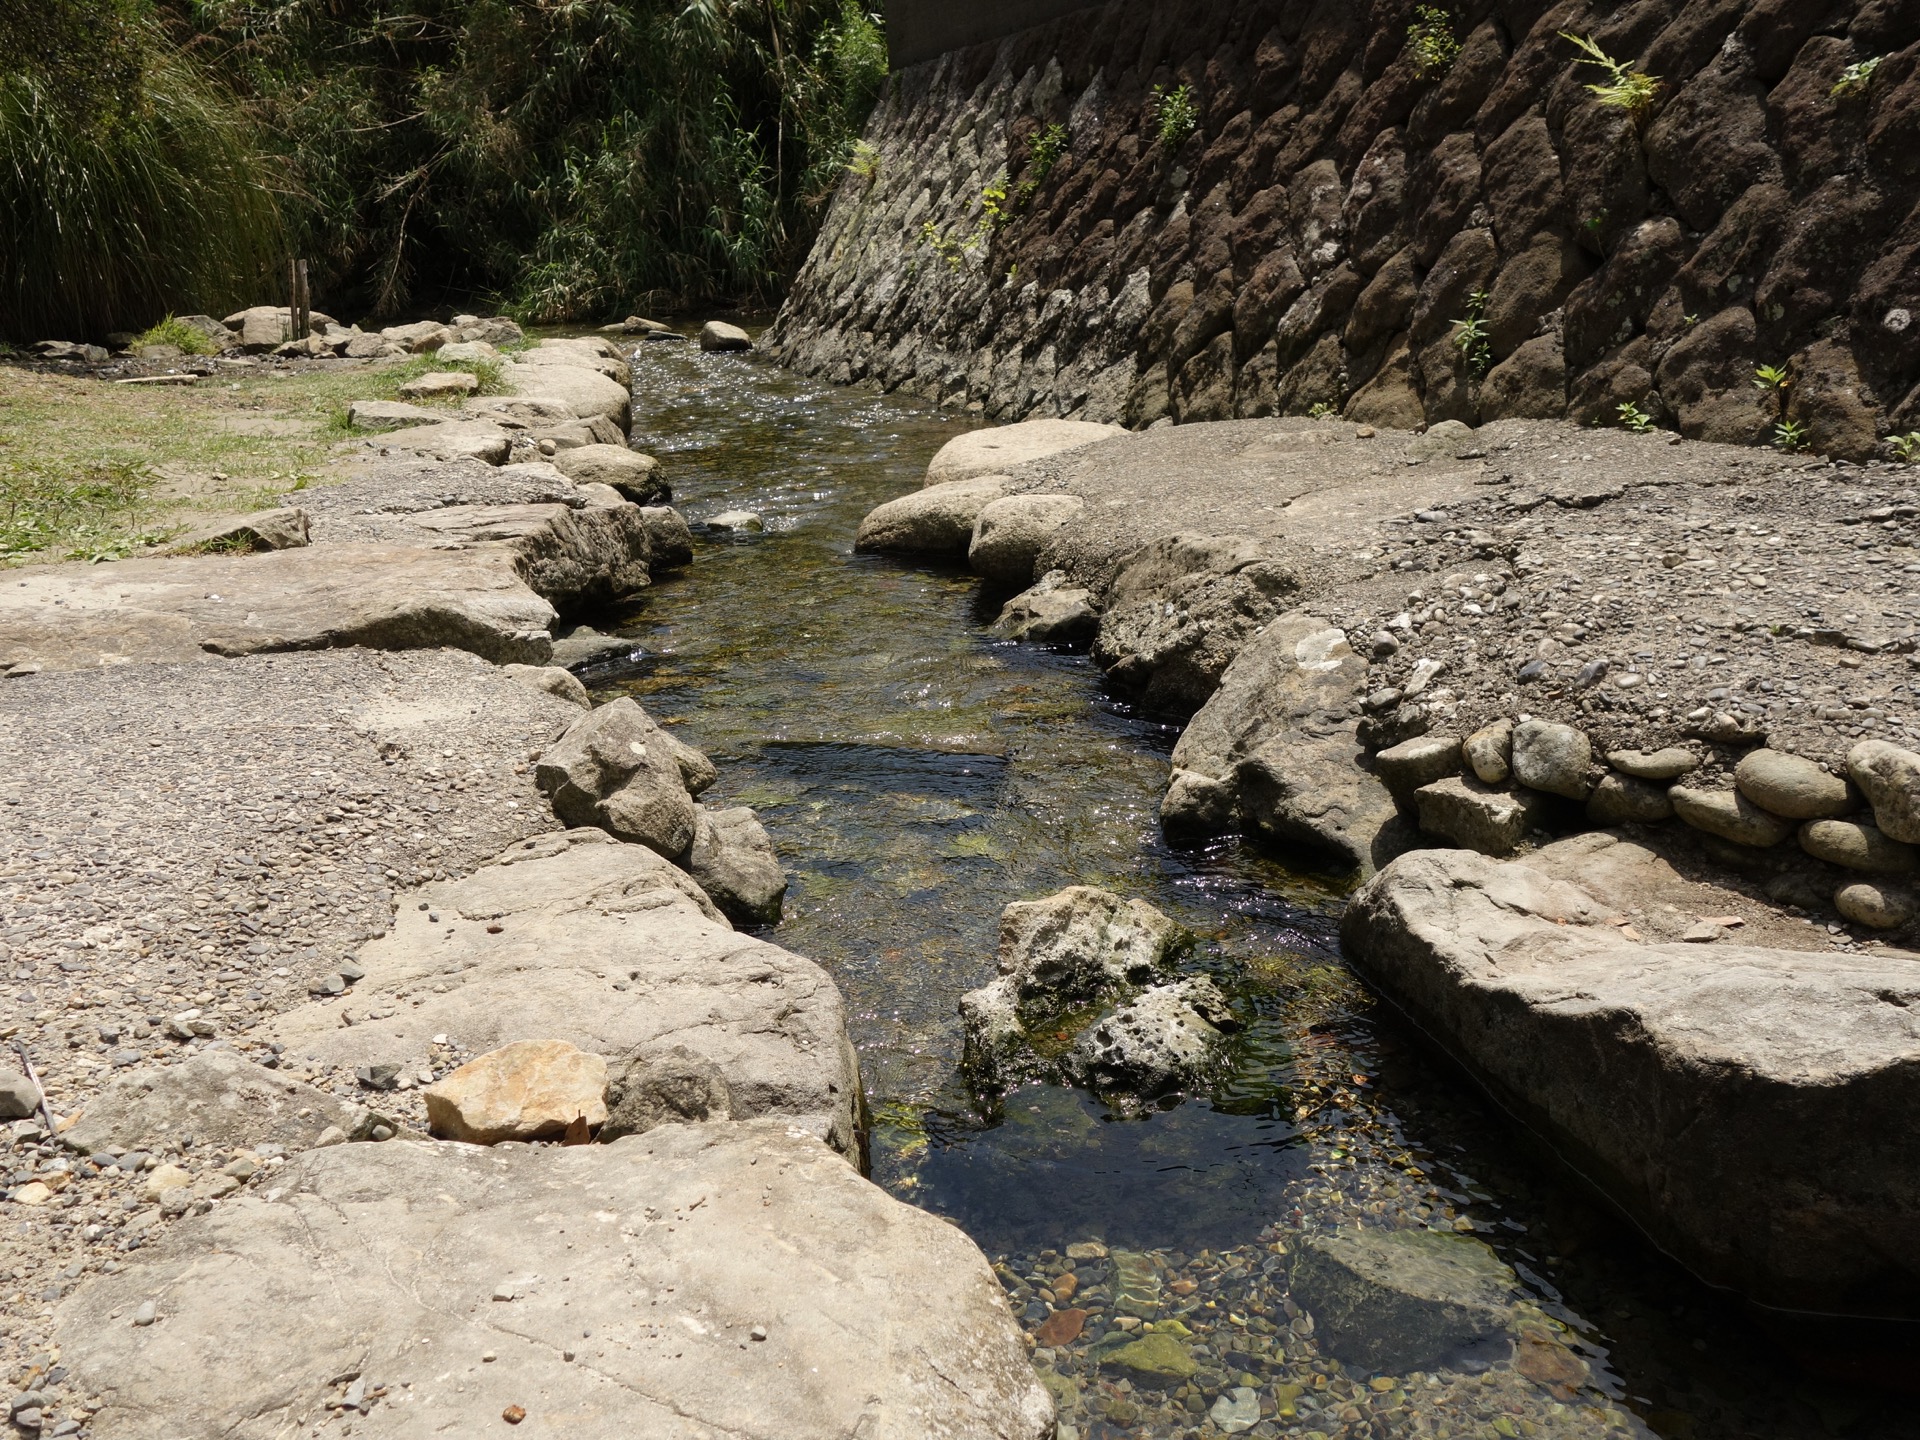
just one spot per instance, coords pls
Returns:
(177, 333)
(1175, 115)
(130, 182)
(1625, 88)
(1470, 334)
(1855, 79)
(1431, 40)
(1790, 436)
(1634, 418)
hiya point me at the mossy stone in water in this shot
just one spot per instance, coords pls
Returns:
(1398, 1300)
(1156, 1359)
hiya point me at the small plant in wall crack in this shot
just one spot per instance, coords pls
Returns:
(1470, 334)
(1790, 436)
(1906, 448)
(1625, 88)
(1174, 114)
(1044, 150)
(863, 161)
(1321, 411)
(1634, 418)
(1770, 377)
(1431, 41)
(1855, 79)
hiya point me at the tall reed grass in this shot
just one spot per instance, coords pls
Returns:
(118, 205)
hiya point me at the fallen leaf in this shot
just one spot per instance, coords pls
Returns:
(578, 1132)
(513, 1414)
(1630, 932)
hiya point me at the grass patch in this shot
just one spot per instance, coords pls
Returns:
(91, 513)
(177, 333)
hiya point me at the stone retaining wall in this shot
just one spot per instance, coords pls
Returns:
(1335, 212)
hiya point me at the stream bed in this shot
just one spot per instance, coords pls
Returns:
(917, 774)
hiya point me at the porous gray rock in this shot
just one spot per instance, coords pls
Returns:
(637, 477)
(1856, 845)
(729, 521)
(619, 1289)
(1623, 800)
(584, 645)
(717, 335)
(664, 1085)
(997, 450)
(1725, 1096)
(937, 521)
(1401, 1300)
(468, 352)
(19, 1097)
(1446, 440)
(451, 440)
(1405, 767)
(220, 1099)
(1009, 534)
(616, 769)
(1730, 815)
(1169, 1037)
(572, 936)
(1276, 750)
(1053, 612)
(1793, 786)
(1489, 752)
(1069, 948)
(1553, 758)
(733, 859)
(1889, 776)
(419, 337)
(1664, 766)
(1476, 816)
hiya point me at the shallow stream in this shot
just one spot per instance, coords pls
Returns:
(918, 774)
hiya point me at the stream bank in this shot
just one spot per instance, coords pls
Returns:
(936, 772)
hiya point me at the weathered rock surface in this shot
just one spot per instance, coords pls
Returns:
(529, 1090)
(377, 415)
(586, 390)
(607, 947)
(1405, 767)
(217, 1097)
(387, 597)
(1475, 816)
(1730, 815)
(1010, 533)
(732, 858)
(449, 439)
(616, 769)
(936, 521)
(620, 1290)
(1730, 1097)
(1052, 612)
(1857, 845)
(1662, 765)
(720, 336)
(1072, 947)
(1793, 786)
(554, 680)
(1400, 1300)
(1553, 758)
(284, 528)
(666, 1085)
(1890, 778)
(637, 477)
(1275, 750)
(1166, 1038)
(995, 451)
(440, 385)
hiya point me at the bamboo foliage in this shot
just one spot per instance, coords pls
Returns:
(130, 185)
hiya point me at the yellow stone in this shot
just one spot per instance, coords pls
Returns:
(32, 1193)
(530, 1090)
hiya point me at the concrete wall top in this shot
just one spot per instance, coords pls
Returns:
(920, 30)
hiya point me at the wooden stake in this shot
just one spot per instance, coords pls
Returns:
(306, 304)
(46, 1110)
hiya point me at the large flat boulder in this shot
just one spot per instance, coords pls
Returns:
(695, 1281)
(936, 521)
(580, 385)
(573, 555)
(994, 451)
(1748, 1106)
(1275, 750)
(606, 946)
(72, 617)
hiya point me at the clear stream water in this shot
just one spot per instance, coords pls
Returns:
(917, 774)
